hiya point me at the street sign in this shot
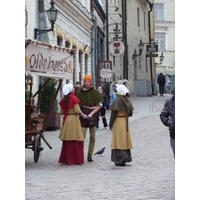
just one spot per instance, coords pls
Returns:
(152, 49)
(151, 55)
(117, 48)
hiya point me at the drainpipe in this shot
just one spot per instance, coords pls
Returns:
(93, 48)
(41, 25)
(151, 7)
(107, 44)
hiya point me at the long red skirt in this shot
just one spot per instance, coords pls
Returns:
(72, 153)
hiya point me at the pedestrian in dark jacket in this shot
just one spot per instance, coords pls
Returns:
(161, 82)
(167, 117)
(105, 106)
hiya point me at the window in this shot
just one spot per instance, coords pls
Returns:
(159, 12)
(144, 22)
(138, 17)
(147, 64)
(59, 41)
(140, 66)
(160, 40)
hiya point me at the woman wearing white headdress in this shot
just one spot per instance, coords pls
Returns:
(71, 132)
(121, 144)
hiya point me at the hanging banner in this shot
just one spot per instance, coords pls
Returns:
(44, 60)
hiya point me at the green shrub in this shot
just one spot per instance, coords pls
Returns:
(46, 96)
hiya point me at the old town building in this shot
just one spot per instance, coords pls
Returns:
(165, 38)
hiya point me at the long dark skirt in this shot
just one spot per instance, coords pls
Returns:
(72, 153)
(120, 157)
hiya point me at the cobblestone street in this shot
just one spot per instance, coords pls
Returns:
(151, 174)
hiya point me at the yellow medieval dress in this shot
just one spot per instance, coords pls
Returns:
(121, 143)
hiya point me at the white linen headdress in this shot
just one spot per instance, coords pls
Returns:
(67, 89)
(122, 89)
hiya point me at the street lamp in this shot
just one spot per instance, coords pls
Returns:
(29, 79)
(141, 46)
(161, 59)
(52, 15)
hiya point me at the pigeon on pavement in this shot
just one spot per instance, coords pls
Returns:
(100, 152)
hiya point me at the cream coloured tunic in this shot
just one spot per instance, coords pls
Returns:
(121, 139)
(71, 130)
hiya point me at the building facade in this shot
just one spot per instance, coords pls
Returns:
(72, 29)
(130, 22)
(165, 38)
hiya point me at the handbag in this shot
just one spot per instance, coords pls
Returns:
(89, 122)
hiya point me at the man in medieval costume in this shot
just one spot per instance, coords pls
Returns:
(91, 102)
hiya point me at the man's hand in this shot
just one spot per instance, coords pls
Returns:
(90, 115)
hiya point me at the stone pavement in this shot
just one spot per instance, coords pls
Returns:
(151, 174)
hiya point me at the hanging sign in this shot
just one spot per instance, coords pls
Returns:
(152, 49)
(44, 60)
(106, 73)
(117, 48)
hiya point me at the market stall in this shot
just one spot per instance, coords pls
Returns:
(46, 60)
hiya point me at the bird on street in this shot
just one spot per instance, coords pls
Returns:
(100, 152)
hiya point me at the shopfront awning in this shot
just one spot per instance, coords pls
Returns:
(67, 38)
(44, 59)
(59, 33)
(80, 47)
(87, 52)
(74, 43)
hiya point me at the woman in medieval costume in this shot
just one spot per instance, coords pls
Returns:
(121, 144)
(72, 151)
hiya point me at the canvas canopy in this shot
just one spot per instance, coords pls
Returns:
(48, 60)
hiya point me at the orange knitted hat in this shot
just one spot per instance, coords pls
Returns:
(87, 77)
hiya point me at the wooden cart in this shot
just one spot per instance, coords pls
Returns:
(34, 123)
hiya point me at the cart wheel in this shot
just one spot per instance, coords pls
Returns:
(37, 148)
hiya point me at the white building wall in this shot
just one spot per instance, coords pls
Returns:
(33, 16)
(68, 23)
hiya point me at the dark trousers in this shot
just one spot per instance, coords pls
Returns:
(161, 88)
(103, 115)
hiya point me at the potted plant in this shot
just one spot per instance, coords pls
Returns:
(46, 98)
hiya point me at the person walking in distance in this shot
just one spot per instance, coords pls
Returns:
(167, 117)
(71, 133)
(121, 144)
(91, 102)
(105, 106)
(161, 82)
(113, 95)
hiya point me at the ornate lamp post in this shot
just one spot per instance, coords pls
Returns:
(141, 47)
(52, 15)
